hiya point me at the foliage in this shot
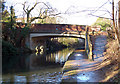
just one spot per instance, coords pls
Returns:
(8, 49)
(54, 45)
(9, 55)
(11, 32)
(12, 17)
(68, 41)
(104, 23)
(20, 35)
(9, 17)
(25, 31)
(3, 6)
(6, 16)
(14, 35)
(9, 20)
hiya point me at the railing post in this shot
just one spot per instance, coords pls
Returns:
(88, 45)
(86, 41)
(90, 49)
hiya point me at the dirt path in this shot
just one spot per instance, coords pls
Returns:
(79, 69)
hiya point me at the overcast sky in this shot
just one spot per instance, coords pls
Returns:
(72, 6)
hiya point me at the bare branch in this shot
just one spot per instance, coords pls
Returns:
(26, 10)
(43, 13)
(87, 11)
(55, 14)
(40, 13)
(46, 5)
(38, 18)
(24, 7)
(33, 7)
(100, 16)
(100, 7)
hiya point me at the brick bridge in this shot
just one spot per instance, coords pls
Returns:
(40, 32)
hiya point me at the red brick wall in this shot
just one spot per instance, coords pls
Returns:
(57, 27)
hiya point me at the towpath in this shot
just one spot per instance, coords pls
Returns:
(78, 68)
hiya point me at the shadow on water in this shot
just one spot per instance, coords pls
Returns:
(43, 65)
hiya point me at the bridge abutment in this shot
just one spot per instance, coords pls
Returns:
(37, 43)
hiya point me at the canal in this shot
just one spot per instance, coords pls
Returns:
(36, 67)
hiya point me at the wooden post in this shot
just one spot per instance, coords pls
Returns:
(86, 41)
(90, 48)
(88, 45)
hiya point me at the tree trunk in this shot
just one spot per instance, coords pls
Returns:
(119, 22)
(113, 17)
(114, 27)
(27, 18)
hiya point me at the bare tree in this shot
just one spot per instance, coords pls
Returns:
(44, 12)
(115, 26)
(28, 11)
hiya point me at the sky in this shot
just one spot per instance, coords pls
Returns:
(74, 8)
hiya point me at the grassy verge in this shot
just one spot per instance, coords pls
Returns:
(111, 62)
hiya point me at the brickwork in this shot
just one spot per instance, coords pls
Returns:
(57, 28)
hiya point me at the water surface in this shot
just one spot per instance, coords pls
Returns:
(37, 67)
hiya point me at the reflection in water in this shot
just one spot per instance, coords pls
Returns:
(78, 54)
(57, 58)
(39, 50)
(83, 78)
(49, 64)
(20, 79)
(36, 53)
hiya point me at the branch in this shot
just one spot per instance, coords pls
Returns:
(27, 8)
(46, 5)
(100, 7)
(87, 11)
(100, 16)
(38, 18)
(55, 14)
(40, 13)
(24, 7)
(33, 7)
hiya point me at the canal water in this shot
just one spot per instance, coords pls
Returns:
(37, 67)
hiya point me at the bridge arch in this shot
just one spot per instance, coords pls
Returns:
(39, 39)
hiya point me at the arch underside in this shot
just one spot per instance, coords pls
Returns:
(36, 38)
(56, 35)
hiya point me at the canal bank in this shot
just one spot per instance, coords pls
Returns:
(79, 68)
